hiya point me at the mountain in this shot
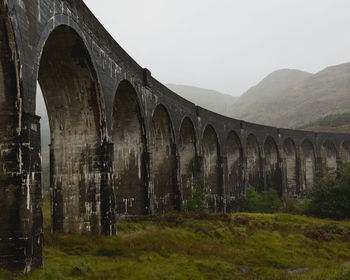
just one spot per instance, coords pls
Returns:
(291, 98)
(337, 123)
(209, 99)
(276, 81)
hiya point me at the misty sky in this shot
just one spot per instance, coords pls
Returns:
(228, 45)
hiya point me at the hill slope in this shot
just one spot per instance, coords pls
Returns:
(209, 99)
(299, 101)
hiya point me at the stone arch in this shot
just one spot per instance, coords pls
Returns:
(253, 163)
(329, 157)
(272, 168)
(72, 96)
(345, 151)
(308, 165)
(163, 156)
(129, 141)
(290, 167)
(234, 155)
(211, 168)
(187, 153)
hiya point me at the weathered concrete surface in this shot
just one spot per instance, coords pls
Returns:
(289, 159)
(70, 90)
(129, 148)
(188, 158)
(345, 151)
(121, 142)
(329, 157)
(273, 178)
(212, 169)
(308, 165)
(165, 193)
(235, 187)
(253, 163)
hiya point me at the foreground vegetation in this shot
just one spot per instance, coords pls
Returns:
(196, 245)
(202, 246)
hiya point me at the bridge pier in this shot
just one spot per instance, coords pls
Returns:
(21, 231)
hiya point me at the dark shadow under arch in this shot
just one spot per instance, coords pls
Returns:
(71, 92)
(234, 153)
(273, 173)
(188, 154)
(254, 163)
(129, 153)
(165, 193)
(329, 157)
(290, 167)
(308, 165)
(211, 166)
(345, 151)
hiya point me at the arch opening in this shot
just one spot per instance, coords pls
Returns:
(187, 153)
(290, 167)
(254, 164)
(234, 166)
(211, 167)
(329, 157)
(308, 165)
(163, 153)
(71, 93)
(345, 151)
(272, 168)
(129, 148)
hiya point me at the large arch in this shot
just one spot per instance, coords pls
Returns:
(211, 167)
(129, 146)
(345, 151)
(272, 168)
(235, 188)
(71, 93)
(187, 153)
(253, 163)
(290, 167)
(329, 157)
(308, 165)
(163, 159)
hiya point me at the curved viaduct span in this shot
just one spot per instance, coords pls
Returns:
(121, 142)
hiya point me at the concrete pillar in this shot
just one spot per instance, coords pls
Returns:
(108, 200)
(224, 182)
(21, 228)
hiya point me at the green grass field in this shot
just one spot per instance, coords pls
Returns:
(201, 246)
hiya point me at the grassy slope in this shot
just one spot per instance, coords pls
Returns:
(200, 246)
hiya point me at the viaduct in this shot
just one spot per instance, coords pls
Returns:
(121, 142)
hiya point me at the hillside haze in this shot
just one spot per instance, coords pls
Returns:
(209, 99)
(291, 98)
(286, 98)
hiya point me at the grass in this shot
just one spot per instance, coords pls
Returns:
(201, 246)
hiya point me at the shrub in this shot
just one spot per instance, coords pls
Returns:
(270, 202)
(295, 206)
(330, 195)
(196, 196)
(267, 202)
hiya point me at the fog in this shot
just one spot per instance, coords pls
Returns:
(228, 45)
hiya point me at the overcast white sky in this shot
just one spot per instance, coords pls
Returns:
(228, 45)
